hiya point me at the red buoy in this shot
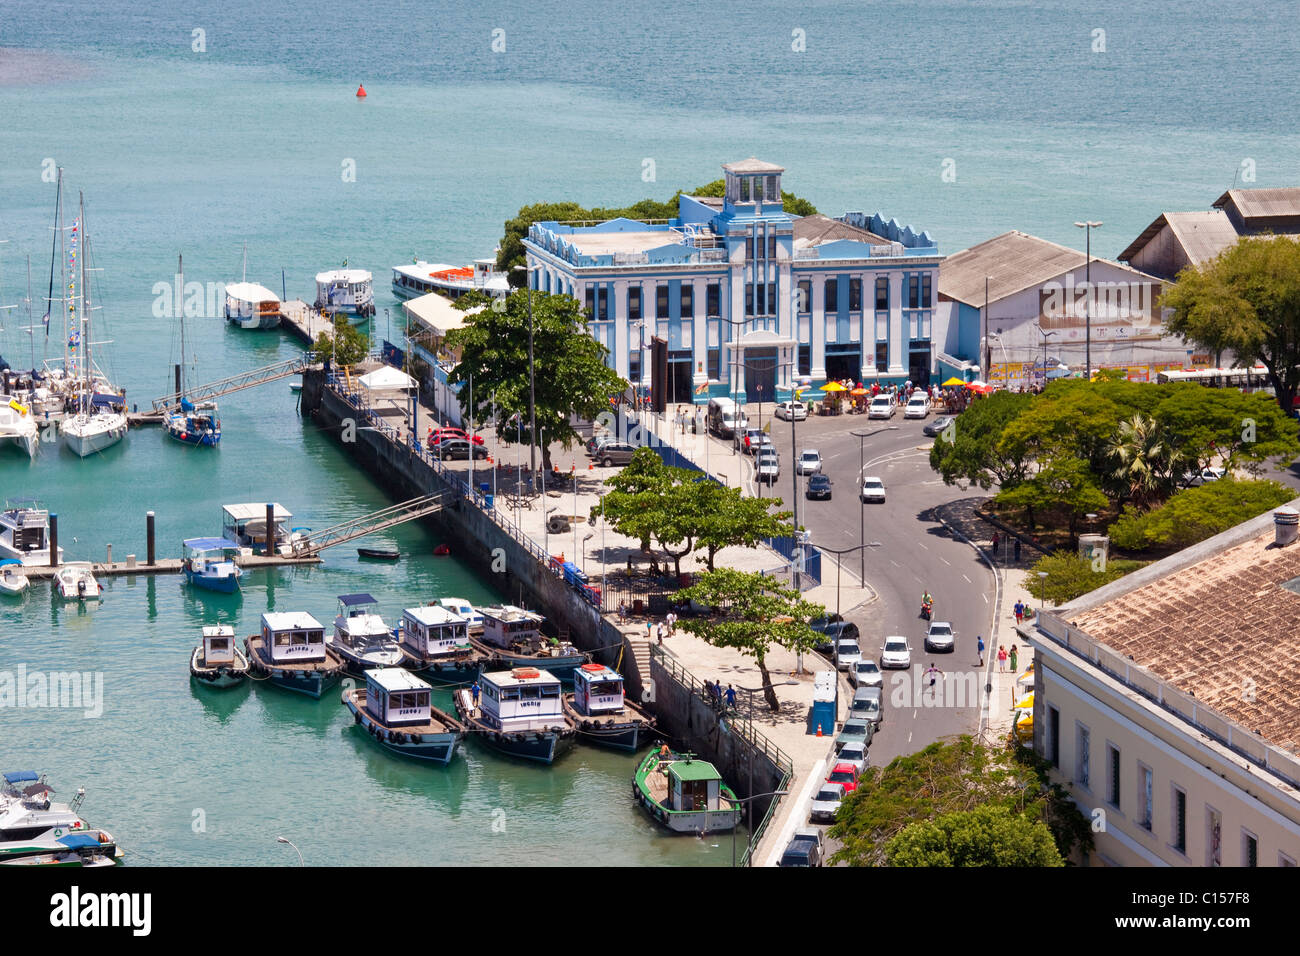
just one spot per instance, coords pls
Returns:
(361, 91)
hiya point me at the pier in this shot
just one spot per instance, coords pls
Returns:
(303, 321)
(166, 565)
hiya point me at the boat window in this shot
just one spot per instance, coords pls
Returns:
(550, 691)
(607, 688)
(422, 699)
(510, 693)
(221, 643)
(281, 639)
(299, 637)
(530, 693)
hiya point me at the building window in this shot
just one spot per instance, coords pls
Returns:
(634, 366)
(771, 245)
(715, 364)
(771, 298)
(832, 295)
(773, 188)
(1083, 772)
(1249, 849)
(804, 304)
(661, 302)
(758, 188)
(1054, 736)
(602, 303)
(805, 360)
(749, 299)
(749, 248)
(913, 292)
(1144, 794)
(882, 294)
(744, 189)
(634, 302)
(882, 356)
(1112, 776)
(855, 295)
(713, 299)
(925, 292)
(591, 302)
(688, 301)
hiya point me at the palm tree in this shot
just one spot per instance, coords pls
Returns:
(1146, 465)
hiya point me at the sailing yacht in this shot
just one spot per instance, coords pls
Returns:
(18, 427)
(192, 424)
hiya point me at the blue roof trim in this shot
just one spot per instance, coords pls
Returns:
(78, 841)
(20, 776)
(352, 600)
(209, 544)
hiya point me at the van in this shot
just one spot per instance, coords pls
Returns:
(725, 419)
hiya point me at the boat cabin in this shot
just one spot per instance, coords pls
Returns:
(247, 300)
(218, 645)
(503, 626)
(357, 619)
(597, 689)
(694, 785)
(434, 631)
(25, 529)
(526, 698)
(396, 697)
(205, 553)
(293, 636)
(245, 524)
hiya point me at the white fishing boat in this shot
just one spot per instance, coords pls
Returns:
(291, 652)
(216, 662)
(76, 582)
(395, 707)
(35, 831)
(25, 533)
(252, 306)
(345, 291)
(18, 427)
(361, 637)
(13, 582)
(420, 278)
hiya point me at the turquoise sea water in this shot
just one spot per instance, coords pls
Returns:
(198, 153)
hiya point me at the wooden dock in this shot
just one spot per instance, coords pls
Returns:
(303, 321)
(166, 566)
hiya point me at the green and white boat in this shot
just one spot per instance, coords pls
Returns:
(35, 831)
(685, 794)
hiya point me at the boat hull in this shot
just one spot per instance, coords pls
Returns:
(222, 584)
(13, 585)
(629, 736)
(434, 748)
(442, 671)
(539, 746)
(208, 439)
(221, 677)
(681, 821)
(312, 681)
(85, 439)
(561, 667)
(356, 664)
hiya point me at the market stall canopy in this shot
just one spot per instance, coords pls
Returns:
(953, 382)
(832, 387)
(387, 379)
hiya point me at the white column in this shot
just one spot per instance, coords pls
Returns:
(897, 334)
(622, 333)
(736, 312)
(868, 331)
(817, 320)
(700, 333)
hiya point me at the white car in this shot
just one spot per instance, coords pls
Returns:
(809, 463)
(827, 802)
(896, 654)
(847, 653)
(873, 489)
(940, 637)
(866, 674)
(767, 466)
(918, 406)
(797, 411)
(854, 753)
(882, 406)
(1203, 477)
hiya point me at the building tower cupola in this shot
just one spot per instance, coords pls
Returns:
(752, 182)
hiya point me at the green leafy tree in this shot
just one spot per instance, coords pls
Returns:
(735, 520)
(1244, 430)
(572, 378)
(1145, 465)
(1062, 482)
(632, 505)
(978, 453)
(985, 836)
(1195, 514)
(752, 613)
(1247, 300)
(345, 346)
(1070, 575)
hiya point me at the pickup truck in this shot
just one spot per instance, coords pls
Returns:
(804, 849)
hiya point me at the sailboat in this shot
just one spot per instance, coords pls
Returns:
(17, 426)
(192, 424)
(100, 419)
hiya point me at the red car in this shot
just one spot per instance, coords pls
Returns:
(846, 774)
(438, 434)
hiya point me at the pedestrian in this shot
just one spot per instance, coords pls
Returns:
(1011, 655)
(1017, 549)
(731, 697)
(995, 543)
(671, 621)
(474, 691)
(622, 611)
(649, 630)
(933, 673)
(659, 631)
(1002, 659)
(980, 643)
(1020, 612)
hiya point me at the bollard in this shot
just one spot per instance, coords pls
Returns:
(270, 530)
(110, 555)
(148, 537)
(130, 561)
(54, 540)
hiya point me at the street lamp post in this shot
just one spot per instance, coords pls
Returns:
(281, 839)
(857, 547)
(1088, 227)
(1045, 336)
(749, 807)
(862, 505)
(746, 800)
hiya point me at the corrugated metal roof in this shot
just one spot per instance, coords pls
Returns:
(1203, 235)
(1013, 262)
(818, 229)
(1263, 203)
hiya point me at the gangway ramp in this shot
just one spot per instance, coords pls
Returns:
(368, 524)
(233, 383)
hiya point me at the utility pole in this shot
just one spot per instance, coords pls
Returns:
(1088, 227)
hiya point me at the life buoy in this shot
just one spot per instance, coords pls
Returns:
(593, 668)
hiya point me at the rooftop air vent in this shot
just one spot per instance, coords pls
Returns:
(1286, 522)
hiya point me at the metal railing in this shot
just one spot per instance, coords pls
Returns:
(233, 383)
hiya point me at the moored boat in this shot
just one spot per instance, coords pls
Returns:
(512, 637)
(291, 652)
(194, 424)
(245, 524)
(601, 712)
(361, 638)
(35, 831)
(347, 292)
(435, 643)
(684, 794)
(12, 580)
(252, 306)
(209, 564)
(18, 427)
(76, 582)
(25, 533)
(395, 708)
(519, 713)
(380, 554)
(472, 616)
(216, 662)
(420, 278)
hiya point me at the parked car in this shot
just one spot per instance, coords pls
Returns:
(940, 637)
(594, 443)
(768, 468)
(937, 425)
(866, 673)
(797, 411)
(882, 406)
(759, 442)
(1194, 479)
(840, 631)
(448, 432)
(809, 463)
(873, 489)
(615, 453)
(846, 774)
(751, 435)
(819, 487)
(918, 406)
(854, 753)
(896, 654)
(855, 730)
(827, 802)
(821, 623)
(804, 849)
(458, 448)
(848, 654)
(866, 705)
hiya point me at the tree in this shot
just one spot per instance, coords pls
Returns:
(1070, 575)
(1145, 465)
(572, 379)
(1245, 430)
(977, 454)
(985, 836)
(1195, 514)
(1248, 300)
(735, 520)
(751, 613)
(346, 346)
(1061, 482)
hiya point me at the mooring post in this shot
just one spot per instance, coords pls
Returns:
(110, 554)
(54, 541)
(148, 537)
(270, 530)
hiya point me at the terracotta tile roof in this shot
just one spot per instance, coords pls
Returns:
(1223, 629)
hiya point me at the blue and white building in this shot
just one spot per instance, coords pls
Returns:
(747, 296)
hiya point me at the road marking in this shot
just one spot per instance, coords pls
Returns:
(985, 597)
(944, 560)
(894, 563)
(968, 580)
(923, 544)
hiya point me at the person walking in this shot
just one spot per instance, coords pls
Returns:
(622, 611)
(672, 623)
(1020, 611)
(474, 692)
(995, 544)
(1002, 659)
(1011, 656)
(731, 697)
(1017, 549)
(979, 640)
(933, 673)
(659, 632)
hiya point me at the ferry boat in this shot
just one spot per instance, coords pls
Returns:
(473, 617)
(35, 831)
(395, 708)
(25, 533)
(684, 794)
(76, 581)
(599, 708)
(512, 637)
(209, 564)
(291, 651)
(347, 291)
(361, 638)
(12, 580)
(217, 662)
(520, 713)
(435, 643)
(245, 524)
(420, 278)
(18, 427)
(252, 306)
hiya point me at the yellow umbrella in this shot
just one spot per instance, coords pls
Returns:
(1025, 726)
(953, 382)
(832, 387)
(1026, 701)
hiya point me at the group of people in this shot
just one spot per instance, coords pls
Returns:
(720, 698)
(655, 630)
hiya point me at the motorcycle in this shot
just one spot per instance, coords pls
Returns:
(926, 609)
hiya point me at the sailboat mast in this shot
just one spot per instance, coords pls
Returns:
(54, 251)
(83, 327)
(31, 329)
(180, 278)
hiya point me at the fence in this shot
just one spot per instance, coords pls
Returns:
(788, 547)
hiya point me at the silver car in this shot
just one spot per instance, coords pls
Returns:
(809, 463)
(797, 411)
(848, 653)
(769, 466)
(854, 753)
(939, 637)
(827, 802)
(866, 705)
(866, 674)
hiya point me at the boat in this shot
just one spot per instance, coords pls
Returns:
(252, 306)
(473, 617)
(191, 423)
(435, 642)
(25, 533)
(519, 713)
(18, 427)
(347, 292)
(685, 794)
(217, 662)
(89, 432)
(245, 524)
(395, 708)
(361, 638)
(35, 831)
(512, 637)
(209, 564)
(380, 554)
(76, 581)
(420, 278)
(601, 712)
(291, 652)
(12, 580)
(442, 550)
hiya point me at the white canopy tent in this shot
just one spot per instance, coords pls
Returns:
(387, 379)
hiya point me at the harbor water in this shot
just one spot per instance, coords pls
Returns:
(203, 129)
